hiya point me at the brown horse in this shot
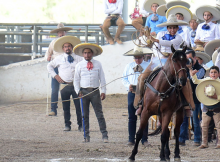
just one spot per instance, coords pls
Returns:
(162, 98)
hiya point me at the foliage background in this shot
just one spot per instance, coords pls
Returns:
(68, 11)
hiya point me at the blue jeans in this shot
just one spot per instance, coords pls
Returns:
(184, 130)
(132, 120)
(55, 85)
(196, 123)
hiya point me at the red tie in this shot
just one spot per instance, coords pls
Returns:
(89, 65)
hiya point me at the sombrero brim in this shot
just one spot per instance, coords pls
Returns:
(211, 46)
(200, 94)
(179, 23)
(58, 45)
(214, 56)
(137, 53)
(161, 10)
(78, 50)
(148, 3)
(180, 9)
(206, 58)
(215, 12)
(61, 29)
(175, 3)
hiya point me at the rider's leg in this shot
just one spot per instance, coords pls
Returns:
(187, 92)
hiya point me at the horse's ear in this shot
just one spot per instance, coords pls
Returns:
(172, 49)
(184, 49)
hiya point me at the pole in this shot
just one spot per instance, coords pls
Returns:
(81, 105)
(125, 11)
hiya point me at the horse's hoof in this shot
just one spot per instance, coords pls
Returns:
(177, 160)
(129, 160)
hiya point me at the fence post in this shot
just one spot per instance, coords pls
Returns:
(35, 40)
(86, 34)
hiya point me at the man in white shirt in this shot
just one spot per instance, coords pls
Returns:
(193, 25)
(113, 8)
(50, 55)
(130, 82)
(66, 63)
(89, 75)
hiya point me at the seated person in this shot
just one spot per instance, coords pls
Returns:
(210, 98)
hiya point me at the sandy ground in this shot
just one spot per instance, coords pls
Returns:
(27, 134)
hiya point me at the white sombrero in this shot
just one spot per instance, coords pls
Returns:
(206, 58)
(202, 96)
(215, 12)
(148, 3)
(178, 2)
(78, 50)
(214, 56)
(211, 46)
(187, 14)
(161, 10)
(172, 20)
(58, 45)
(60, 27)
(138, 51)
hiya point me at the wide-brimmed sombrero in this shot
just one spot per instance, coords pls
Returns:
(215, 12)
(138, 51)
(187, 14)
(148, 3)
(206, 58)
(214, 56)
(211, 46)
(58, 45)
(61, 27)
(177, 2)
(161, 10)
(202, 96)
(78, 50)
(172, 20)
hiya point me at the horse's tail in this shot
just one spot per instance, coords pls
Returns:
(156, 132)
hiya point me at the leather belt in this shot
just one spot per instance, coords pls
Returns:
(113, 15)
(68, 83)
(89, 89)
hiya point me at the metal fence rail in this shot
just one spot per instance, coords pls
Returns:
(27, 39)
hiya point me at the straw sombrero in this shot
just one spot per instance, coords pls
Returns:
(201, 95)
(148, 3)
(161, 10)
(211, 46)
(214, 56)
(78, 50)
(206, 58)
(180, 9)
(58, 45)
(215, 12)
(138, 51)
(60, 27)
(178, 2)
(172, 20)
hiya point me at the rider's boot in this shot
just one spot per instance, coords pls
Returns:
(205, 126)
(187, 92)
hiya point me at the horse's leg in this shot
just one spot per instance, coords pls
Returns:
(179, 120)
(143, 123)
(165, 135)
(167, 149)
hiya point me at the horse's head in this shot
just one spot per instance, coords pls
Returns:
(179, 61)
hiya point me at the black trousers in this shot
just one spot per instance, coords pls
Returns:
(66, 92)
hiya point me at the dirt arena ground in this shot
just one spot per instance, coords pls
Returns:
(27, 134)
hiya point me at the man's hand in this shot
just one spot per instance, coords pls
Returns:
(57, 77)
(154, 39)
(49, 58)
(205, 44)
(130, 88)
(102, 96)
(80, 94)
(153, 33)
(193, 72)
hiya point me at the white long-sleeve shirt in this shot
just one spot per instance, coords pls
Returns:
(50, 50)
(113, 8)
(185, 36)
(217, 61)
(142, 10)
(66, 69)
(207, 35)
(85, 78)
(165, 45)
